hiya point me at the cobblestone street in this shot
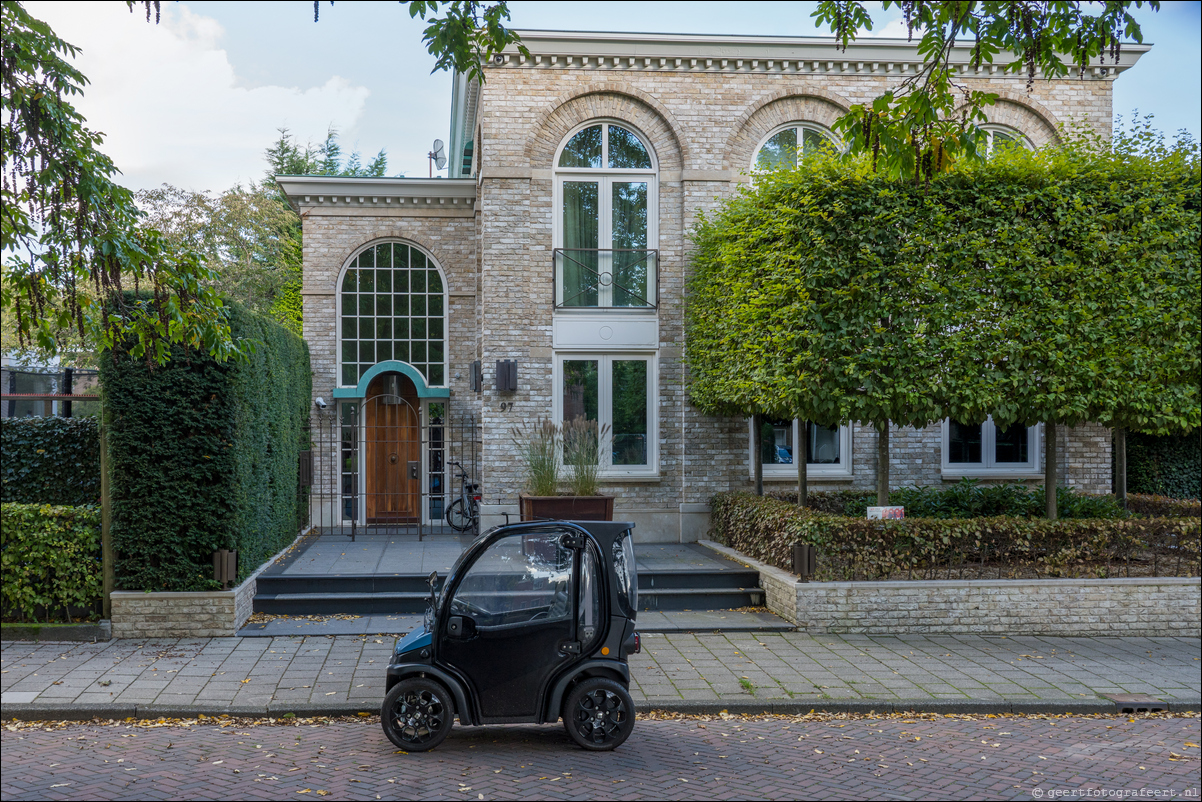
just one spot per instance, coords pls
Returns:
(945, 757)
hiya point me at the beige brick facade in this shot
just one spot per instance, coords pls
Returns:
(703, 105)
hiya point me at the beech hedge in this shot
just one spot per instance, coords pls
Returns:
(852, 549)
(203, 455)
(50, 461)
(1163, 507)
(50, 560)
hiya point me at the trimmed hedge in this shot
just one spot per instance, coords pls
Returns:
(50, 461)
(50, 559)
(966, 499)
(203, 456)
(1165, 466)
(1162, 507)
(851, 549)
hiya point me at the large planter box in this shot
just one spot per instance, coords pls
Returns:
(567, 508)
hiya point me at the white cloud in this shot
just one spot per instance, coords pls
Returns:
(168, 99)
(893, 29)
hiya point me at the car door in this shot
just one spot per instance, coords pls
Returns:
(511, 622)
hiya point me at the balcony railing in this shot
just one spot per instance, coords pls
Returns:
(606, 279)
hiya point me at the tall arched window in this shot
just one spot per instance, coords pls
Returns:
(605, 222)
(1000, 136)
(787, 144)
(392, 305)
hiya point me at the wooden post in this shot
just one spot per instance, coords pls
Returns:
(801, 453)
(1120, 465)
(757, 452)
(1049, 470)
(108, 572)
(882, 464)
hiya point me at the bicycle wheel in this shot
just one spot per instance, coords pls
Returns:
(458, 516)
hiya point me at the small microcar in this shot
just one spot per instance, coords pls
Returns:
(533, 624)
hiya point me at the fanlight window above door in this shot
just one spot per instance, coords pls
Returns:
(393, 307)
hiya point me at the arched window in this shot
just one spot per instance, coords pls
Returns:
(997, 136)
(605, 219)
(785, 146)
(392, 305)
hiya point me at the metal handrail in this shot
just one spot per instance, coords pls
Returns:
(650, 254)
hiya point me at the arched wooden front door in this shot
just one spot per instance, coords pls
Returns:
(393, 451)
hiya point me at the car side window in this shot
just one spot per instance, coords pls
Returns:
(588, 621)
(519, 579)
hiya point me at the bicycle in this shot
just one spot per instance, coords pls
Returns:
(464, 512)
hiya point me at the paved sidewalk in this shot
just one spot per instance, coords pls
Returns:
(687, 672)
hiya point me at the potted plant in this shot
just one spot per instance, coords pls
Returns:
(540, 447)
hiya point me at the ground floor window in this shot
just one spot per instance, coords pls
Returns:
(828, 449)
(975, 449)
(617, 391)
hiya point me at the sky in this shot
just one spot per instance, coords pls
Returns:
(195, 100)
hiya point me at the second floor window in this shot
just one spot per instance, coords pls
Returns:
(605, 226)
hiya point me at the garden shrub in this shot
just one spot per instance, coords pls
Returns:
(1165, 466)
(966, 499)
(850, 548)
(1162, 507)
(50, 559)
(50, 461)
(203, 456)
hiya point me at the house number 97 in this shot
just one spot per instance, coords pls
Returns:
(506, 406)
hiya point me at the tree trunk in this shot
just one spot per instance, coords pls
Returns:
(882, 464)
(1120, 465)
(1049, 470)
(758, 453)
(801, 452)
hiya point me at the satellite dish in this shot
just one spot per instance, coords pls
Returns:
(437, 156)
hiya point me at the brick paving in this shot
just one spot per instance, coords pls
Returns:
(781, 672)
(1004, 757)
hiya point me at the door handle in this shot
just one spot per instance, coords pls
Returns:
(414, 469)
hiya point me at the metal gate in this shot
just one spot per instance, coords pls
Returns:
(388, 463)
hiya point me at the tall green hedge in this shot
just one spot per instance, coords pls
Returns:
(50, 560)
(203, 456)
(1165, 466)
(50, 461)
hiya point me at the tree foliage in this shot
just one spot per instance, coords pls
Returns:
(70, 238)
(1058, 285)
(922, 126)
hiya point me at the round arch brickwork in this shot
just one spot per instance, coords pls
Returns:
(812, 106)
(1026, 116)
(612, 101)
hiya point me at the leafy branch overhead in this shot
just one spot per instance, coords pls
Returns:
(931, 118)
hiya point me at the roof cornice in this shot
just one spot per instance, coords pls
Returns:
(328, 190)
(655, 52)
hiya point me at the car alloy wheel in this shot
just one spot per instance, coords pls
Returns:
(417, 714)
(599, 714)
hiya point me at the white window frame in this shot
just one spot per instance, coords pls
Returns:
(605, 176)
(990, 129)
(837, 471)
(988, 467)
(605, 407)
(798, 124)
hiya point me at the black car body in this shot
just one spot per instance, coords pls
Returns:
(534, 623)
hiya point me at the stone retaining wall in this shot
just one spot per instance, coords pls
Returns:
(1144, 607)
(202, 614)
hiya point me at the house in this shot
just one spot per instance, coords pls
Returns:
(544, 278)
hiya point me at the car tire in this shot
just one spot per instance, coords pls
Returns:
(417, 714)
(458, 516)
(598, 714)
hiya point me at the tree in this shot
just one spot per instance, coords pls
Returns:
(930, 120)
(1052, 287)
(69, 234)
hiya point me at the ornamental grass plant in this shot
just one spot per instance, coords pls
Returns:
(582, 440)
(539, 446)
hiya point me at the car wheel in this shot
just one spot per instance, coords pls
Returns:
(599, 714)
(458, 517)
(417, 714)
